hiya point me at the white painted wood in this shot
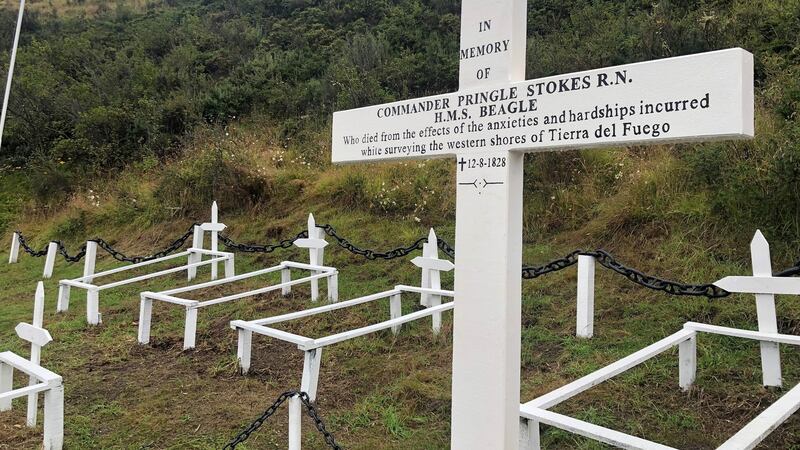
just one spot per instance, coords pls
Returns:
(746, 334)
(261, 290)
(326, 308)
(11, 64)
(759, 428)
(593, 379)
(395, 310)
(725, 75)
(50, 260)
(333, 287)
(765, 307)
(431, 267)
(315, 251)
(6, 385)
(244, 349)
(194, 257)
(24, 391)
(54, 418)
(90, 279)
(22, 364)
(760, 285)
(38, 337)
(590, 430)
(230, 269)
(190, 328)
(89, 261)
(529, 434)
(433, 264)
(418, 290)
(585, 308)
(170, 299)
(310, 380)
(286, 277)
(300, 341)
(63, 297)
(145, 318)
(93, 306)
(687, 363)
(350, 334)
(208, 284)
(35, 335)
(160, 273)
(13, 256)
(436, 318)
(295, 423)
(214, 236)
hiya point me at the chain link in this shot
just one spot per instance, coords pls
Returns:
(311, 410)
(255, 248)
(372, 254)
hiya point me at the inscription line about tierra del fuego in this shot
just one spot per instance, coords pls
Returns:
(487, 126)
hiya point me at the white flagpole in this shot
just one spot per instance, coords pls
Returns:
(11, 70)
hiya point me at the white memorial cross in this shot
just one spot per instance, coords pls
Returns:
(488, 125)
(315, 243)
(214, 227)
(764, 286)
(38, 337)
(432, 268)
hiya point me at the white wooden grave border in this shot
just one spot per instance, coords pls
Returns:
(193, 254)
(41, 379)
(312, 348)
(316, 269)
(765, 287)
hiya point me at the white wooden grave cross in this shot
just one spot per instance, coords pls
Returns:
(764, 286)
(214, 227)
(487, 125)
(432, 268)
(315, 243)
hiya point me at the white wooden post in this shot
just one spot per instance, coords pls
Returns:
(6, 384)
(89, 261)
(11, 64)
(315, 243)
(93, 306)
(244, 350)
(145, 318)
(286, 276)
(190, 329)
(50, 260)
(585, 308)
(395, 310)
(687, 362)
(529, 434)
(765, 306)
(230, 269)
(36, 352)
(308, 385)
(333, 287)
(63, 298)
(195, 257)
(214, 237)
(14, 255)
(54, 418)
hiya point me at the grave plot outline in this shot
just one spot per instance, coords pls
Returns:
(487, 322)
(194, 256)
(315, 244)
(764, 286)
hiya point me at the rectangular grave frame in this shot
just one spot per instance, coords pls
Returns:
(312, 348)
(192, 306)
(43, 380)
(537, 411)
(93, 316)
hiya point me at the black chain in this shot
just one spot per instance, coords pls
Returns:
(372, 254)
(255, 248)
(311, 410)
(28, 249)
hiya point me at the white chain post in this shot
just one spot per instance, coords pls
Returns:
(13, 257)
(765, 306)
(195, 257)
(89, 261)
(50, 261)
(309, 386)
(585, 307)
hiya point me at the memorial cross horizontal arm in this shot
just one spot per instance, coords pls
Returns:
(488, 125)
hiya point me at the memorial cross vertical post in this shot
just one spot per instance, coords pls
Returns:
(487, 126)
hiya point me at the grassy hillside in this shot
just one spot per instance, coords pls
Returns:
(127, 123)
